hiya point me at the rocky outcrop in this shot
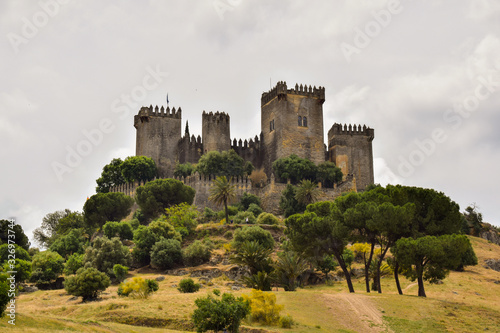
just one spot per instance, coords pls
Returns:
(493, 264)
(490, 233)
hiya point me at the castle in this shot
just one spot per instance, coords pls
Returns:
(291, 123)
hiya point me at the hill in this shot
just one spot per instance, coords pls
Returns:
(466, 301)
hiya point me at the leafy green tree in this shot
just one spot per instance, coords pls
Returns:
(289, 266)
(146, 237)
(430, 258)
(182, 216)
(267, 218)
(218, 314)
(73, 263)
(183, 170)
(66, 245)
(13, 249)
(255, 210)
(16, 234)
(227, 163)
(121, 229)
(104, 253)
(87, 283)
(103, 207)
(120, 272)
(196, 254)
(472, 220)
(47, 232)
(111, 176)
(244, 217)
(47, 266)
(138, 168)
(222, 192)
(469, 258)
(294, 168)
(166, 253)
(4, 293)
(307, 192)
(289, 203)
(253, 256)
(328, 174)
(252, 233)
(247, 199)
(22, 269)
(156, 195)
(327, 264)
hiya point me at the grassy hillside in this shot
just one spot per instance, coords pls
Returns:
(465, 302)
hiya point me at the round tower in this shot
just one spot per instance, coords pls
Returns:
(215, 133)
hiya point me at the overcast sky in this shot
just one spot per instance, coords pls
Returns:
(424, 74)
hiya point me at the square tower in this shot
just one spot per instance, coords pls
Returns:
(292, 123)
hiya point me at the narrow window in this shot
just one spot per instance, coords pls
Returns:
(271, 126)
(304, 122)
(300, 121)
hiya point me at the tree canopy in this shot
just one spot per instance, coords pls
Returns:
(133, 168)
(103, 207)
(227, 163)
(294, 168)
(19, 237)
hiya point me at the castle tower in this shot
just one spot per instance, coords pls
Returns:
(350, 148)
(215, 133)
(158, 131)
(292, 123)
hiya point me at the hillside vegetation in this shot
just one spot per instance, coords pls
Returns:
(466, 301)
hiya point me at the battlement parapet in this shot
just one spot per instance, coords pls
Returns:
(339, 129)
(280, 91)
(215, 117)
(156, 111)
(252, 143)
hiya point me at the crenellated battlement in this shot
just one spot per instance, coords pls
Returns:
(351, 130)
(280, 91)
(251, 143)
(215, 117)
(160, 112)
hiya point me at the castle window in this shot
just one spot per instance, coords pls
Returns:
(304, 121)
(271, 125)
(300, 121)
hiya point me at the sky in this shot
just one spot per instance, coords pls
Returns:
(424, 74)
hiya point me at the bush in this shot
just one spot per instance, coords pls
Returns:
(73, 242)
(118, 229)
(47, 266)
(219, 314)
(120, 272)
(242, 217)
(4, 293)
(166, 253)
(138, 288)
(209, 215)
(182, 216)
(254, 209)
(252, 233)
(74, 262)
(87, 283)
(264, 309)
(20, 253)
(286, 321)
(188, 286)
(231, 211)
(247, 199)
(196, 253)
(146, 237)
(105, 253)
(267, 218)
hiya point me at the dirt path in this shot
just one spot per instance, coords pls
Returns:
(367, 317)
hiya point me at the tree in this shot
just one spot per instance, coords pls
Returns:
(103, 207)
(21, 268)
(307, 192)
(294, 168)
(146, 237)
(46, 233)
(73, 263)
(166, 253)
(18, 235)
(430, 258)
(188, 286)
(118, 229)
(289, 203)
(472, 220)
(87, 283)
(111, 176)
(250, 234)
(196, 254)
(328, 174)
(138, 168)
(156, 195)
(247, 199)
(289, 266)
(13, 249)
(182, 217)
(183, 170)
(4, 293)
(327, 264)
(219, 314)
(319, 231)
(66, 245)
(255, 257)
(227, 163)
(267, 218)
(46, 267)
(222, 192)
(105, 253)
(120, 272)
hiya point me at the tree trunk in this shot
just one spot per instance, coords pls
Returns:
(367, 269)
(396, 277)
(420, 280)
(347, 274)
(225, 209)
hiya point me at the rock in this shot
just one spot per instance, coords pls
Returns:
(174, 286)
(235, 288)
(160, 278)
(29, 289)
(496, 282)
(74, 298)
(478, 294)
(357, 272)
(493, 264)
(204, 279)
(439, 282)
(455, 292)
(490, 234)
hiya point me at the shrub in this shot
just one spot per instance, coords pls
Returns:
(118, 229)
(74, 262)
(165, 253)
(87, 283)
(209, 215)
(20, 253)
(47, 266)
(196, 253)
(260, 281)
(146, 237)
(231, 211)
(286, 321)
(120, 272)
(267, 218)
(247, 199)
(255, 209)
(252, 233)
(228, 234)
(188, 286)
(258, 178)
(138, 288)
(105, 253)
(4, 293)
(264, 309)
(22, 269)
(73, 242)
(182, 216)
(219, 314)
(254, 256)
(244, 217)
